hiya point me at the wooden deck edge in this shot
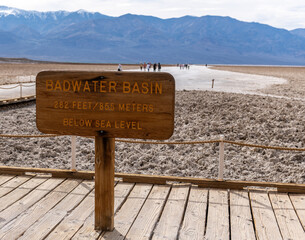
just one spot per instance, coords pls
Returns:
(58, 173)
(155, 179)
(5, 102)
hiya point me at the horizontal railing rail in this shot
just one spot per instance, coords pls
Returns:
(221, 142)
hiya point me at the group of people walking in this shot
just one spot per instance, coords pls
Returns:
(146, 66)
(183, 66)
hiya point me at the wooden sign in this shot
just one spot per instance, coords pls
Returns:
(105, 105)
(120, 104)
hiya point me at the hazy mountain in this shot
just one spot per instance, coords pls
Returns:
(92, 37)
(299, 32)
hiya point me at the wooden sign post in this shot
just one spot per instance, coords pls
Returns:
(105, 105)
(104, 183)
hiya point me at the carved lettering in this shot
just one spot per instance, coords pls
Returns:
(49, 85)
(104, 86)
(86, 87)
(145, 89)
(121, 104)
(72, 122)
(112, 86)
(134, 125)
(135, 88)
(67, 85)
(76, 86)
(103, 124)
(126, 87)
(135, 107)
(57, 86)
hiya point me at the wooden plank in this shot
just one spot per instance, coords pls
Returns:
(84, 175)
(171, 218)
(69, 226)
(240, 214)
(5, 178)
(17, 100)
(12, 173)
(61, 173)
(136, 179)
(287, 219)
(104, 183)
(18, 226)
(218, 215)
(29, 200)
(211, 183)
(12, 184)
(87, 231)
(41, 228)
(291, 189)
(20, 192)
(298, 202)
(264, 219)
(121, 192)
(145, 222)
(121, 104)
(195, 215)
(128, 212)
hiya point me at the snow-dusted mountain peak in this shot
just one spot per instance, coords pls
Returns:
(55, 15)
(5, 11)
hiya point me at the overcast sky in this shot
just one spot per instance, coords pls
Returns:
(288, 14)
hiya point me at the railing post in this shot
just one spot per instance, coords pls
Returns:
(20, 84)
(73, 153)
(221, 158)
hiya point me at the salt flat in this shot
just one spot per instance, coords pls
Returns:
(200, 78)
(195, 78)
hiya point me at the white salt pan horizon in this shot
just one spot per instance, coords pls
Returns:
(200, 78)
(195, 78)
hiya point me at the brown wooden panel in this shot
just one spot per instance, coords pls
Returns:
(125, 217)
(195, 215)
(265, 222)
(5, 178)
(20, 192)
(121, 104)
(218, 215)
(70, 225)
(240, 215)
(87, 231)
(298, 202)
(287, 219)
(20, 224)
(45, 225)
(13, 184)
(145, 222)
(172, 215)
(29, 200)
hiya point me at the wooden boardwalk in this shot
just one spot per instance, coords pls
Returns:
(4, 102)
(41, 207)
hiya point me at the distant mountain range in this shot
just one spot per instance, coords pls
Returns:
(92, 37)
